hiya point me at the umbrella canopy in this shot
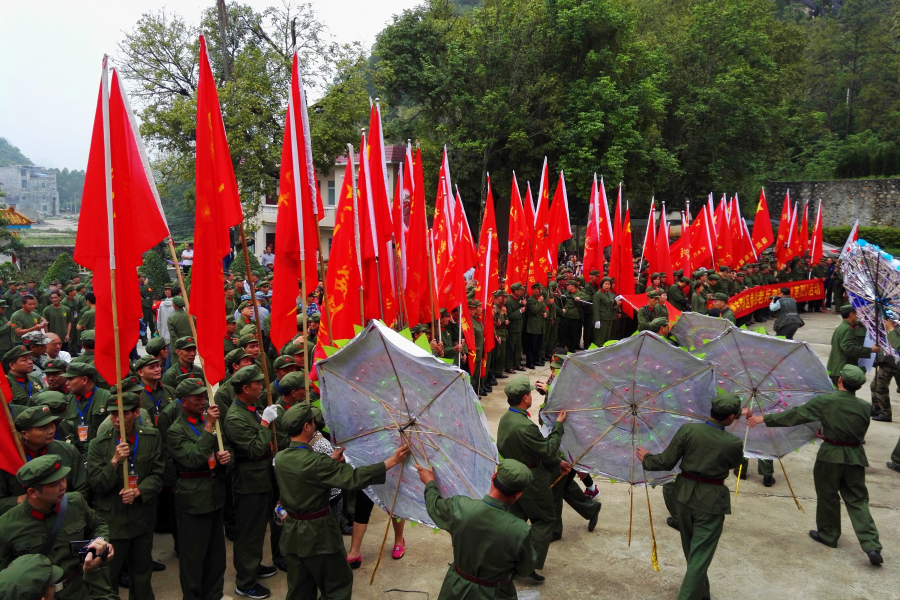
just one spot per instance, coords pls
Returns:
(872, 281)
(692, 330)
(770, 375)
(638, 391)
(380, 391)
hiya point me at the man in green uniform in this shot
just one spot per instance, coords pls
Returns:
(698, 495)
(477, 312)
(199, 493)
(570, 318)
(515, 309)
(283, 365)
(840, 469)
(311, 540)
(551, 336)
(20, 374)
(87, 343)
(251, 446)
(7, 335)
(186, 350)
(86, 315)
(59, 318)
(501, 324)
(846, 345)
(29, 577)
(653, 310)
(519, 438)
(605, 311)
(37, 429)
(29, 527)
(158, 348)
(676, 296)
(90, 400)
(536, 315)
(155, 395)
(452, 347)
(178, 323)
(660, 326)
(720, 302)
(27, 319)
(62, 409)
(129, 511)
(231, 338)
(490, 545)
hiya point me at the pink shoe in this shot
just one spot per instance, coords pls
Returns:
(355, 562)
(398, 551)
(591, 494)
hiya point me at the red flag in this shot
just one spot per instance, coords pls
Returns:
(380, 302)
(762, 225)
(680, 251)
(804, 231)
(615, 251)
(121, 218)
(701, 241)
(218, 210)
(487, 273)
(528, 201)
(815, 245)
(663, 259)
(418, 296)
(741, 245)
(10, 459)
(542, 249)
(593, 249)
(560, 228)
(605, 225)
(724, 245)
(792, 248)
(442, 225)
(626, 261)
(518, 245)
(467, 242)
(854, 236)
(342, 280)
(649, 249)
(784, 226)
(400, 219)
(376, 167)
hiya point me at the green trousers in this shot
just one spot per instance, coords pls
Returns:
(700, 534)
(513, 349)
(251, 512)
(836, 482)
(330, 574)
(605, 333)
(895, 455)
(499, 355)
(668, 491)
(536, 505)
(138, 552)
(201, 555)
(570, 333)
(568, 491)
(551, 338)
(881, 390)
(763, 467)
(476, 378)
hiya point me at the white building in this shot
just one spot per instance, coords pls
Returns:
(330, 186)
(30, 190)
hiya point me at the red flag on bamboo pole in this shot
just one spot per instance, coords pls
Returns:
(762, 225)
(442, 225)
(626, 260)
(784, 226)
(816, 251)
(121, 218)
(559, 226)
(663, 259)
(487, 272)
(792, 247)
(218, 210)
(615, 250)
(468, 257)
(593, 249)
(724, 243)
(803, 240)
(542, 249)
(418, 296)
(528, 202)
(701, 241)
(518, 234)
(648, 251)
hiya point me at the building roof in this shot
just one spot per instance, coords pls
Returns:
(16, 219)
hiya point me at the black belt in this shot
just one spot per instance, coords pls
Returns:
(310, 516)
(240, 460)
(479, 581)
(847, 444)
(195, 474)
(62, 583)
(700, 479)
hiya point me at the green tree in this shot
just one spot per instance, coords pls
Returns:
(156, 271)
(70, 185)
(63, 269)
(239, 268)
(10, 155)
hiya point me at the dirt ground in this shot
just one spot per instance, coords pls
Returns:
(764, 551)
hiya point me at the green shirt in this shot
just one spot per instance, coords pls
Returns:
(91, 409)
(190, 447)
(251, 449)
(86, 321)
(846, 347)
(519, 438)
(535, 316)
(11, 489)
(514, 314)
(604, 306)
(179, 325)
(23, 320)
(646, 315)
(705, 450)
(155, 400)
(7, 336)
(58, 320)
(24, 388)
(170, 377)
(305, 478)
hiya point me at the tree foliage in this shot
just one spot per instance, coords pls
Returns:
(63, 269)
(156, 271)
(70, 185)
(10, 155)
(239, 268)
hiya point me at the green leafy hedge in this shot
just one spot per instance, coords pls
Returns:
(885, 237)
(156, 270)
(237, 267)
(63, 268)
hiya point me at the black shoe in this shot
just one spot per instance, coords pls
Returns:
(592, 524)
(815, 535)
(257, 591)
(263, 571)
(482, 393)
(347, 529)
(743, 474)
(124, 579)
(540, 363)
(893, 467)
(673, 523)
(528, 367)
(158, 566)
(768, 480)
(875, 557)
(280, 563)
(503, 375)
(520, 368)
(882, 418)
(493, 380)
(536, 577)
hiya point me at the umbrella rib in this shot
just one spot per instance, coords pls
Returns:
(591, 375)
(430, 430)
(438, 395)
(631, 477)
(602, 435)
(452, 466)
(387, 408)
(781, 360)
(652, 428)
(396, 374)
(671, 385)
(674, 412)
(571, 410)
(338, 443)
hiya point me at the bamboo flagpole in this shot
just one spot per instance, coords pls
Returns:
(256, 319)
(362, 307)
(17, 439)
(364, 156)
(107, 171)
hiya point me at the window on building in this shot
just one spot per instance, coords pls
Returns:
(44, 208)
(331, 192)
(330, 239)
(43, 185)
(271, 200)
(24, 184)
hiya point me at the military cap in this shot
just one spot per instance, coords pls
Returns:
(28, 578)
(684, 280)
(846, 311)
(34, 416)
(315, 317)
(229, 286)
(192, 386)
(723, 268)
(513, 475)
(69, 288)
(851, 374)
(658, 323)
(130, 401)
(741, 272)
(229, 319)
(516, 287)
(168, 286)
(41, 470)
(57, 402)
(299, 415)
(235, 356)
(246, 375)
(715, 277)
(475, 303)
(144, 361)
(248, 329)
(536, 285)
(3, 304)
(155, 346)
(553, 285)
(654, 275)
(517, 388)
(420, 328)
(720, 296)
(15, 353)
(678, 272)
(87, 335)
(185, 343)
(292, 381)
(498, 293)
(292, 349)
(573, 282)
(726, 403)
(178, 301)
(57, 365)
(284, 361)
(132, 383)
(244, 304)
(557, 361)
(247, 339)
(444, 313)
(605, 279)
(595, 273)
(80, 369)
(653, 294)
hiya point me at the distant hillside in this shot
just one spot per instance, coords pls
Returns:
(10, 155)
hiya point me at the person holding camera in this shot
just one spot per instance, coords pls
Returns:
(787, 319)
(62, 527)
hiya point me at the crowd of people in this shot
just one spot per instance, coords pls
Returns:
(204, 472)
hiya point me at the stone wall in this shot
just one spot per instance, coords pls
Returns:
(875, 202)
(42, 256)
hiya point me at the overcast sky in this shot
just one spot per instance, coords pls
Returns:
(52, 52)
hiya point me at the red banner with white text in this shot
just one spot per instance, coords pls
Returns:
(746, 302)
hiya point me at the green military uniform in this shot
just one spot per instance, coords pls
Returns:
(676, 297)
(252, 480)
(178, 324)
(502, 333)
(698, 303)
(63, 408)
(86, 320)
(587, 321)
(478, 333)
(199, 502)
(605, 310)
(58, 320)
(23, 388)
(520, 439)
(74, 336)
(489, 543)
(311, 540)
(88, 359)
(28, 577)
(27, 531)
(147, 307)
(698, 496)
(846, 346)
(514, 329)
(585, 295)
(534, 327)
(570, 322)
(170, 377)
(38, 416)
(551, 335)
(646, 314)
(23, 320)
(840, 469)
(291, 381)
(7, 336)
(92, 407)
(566, 491)
(130, 525)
